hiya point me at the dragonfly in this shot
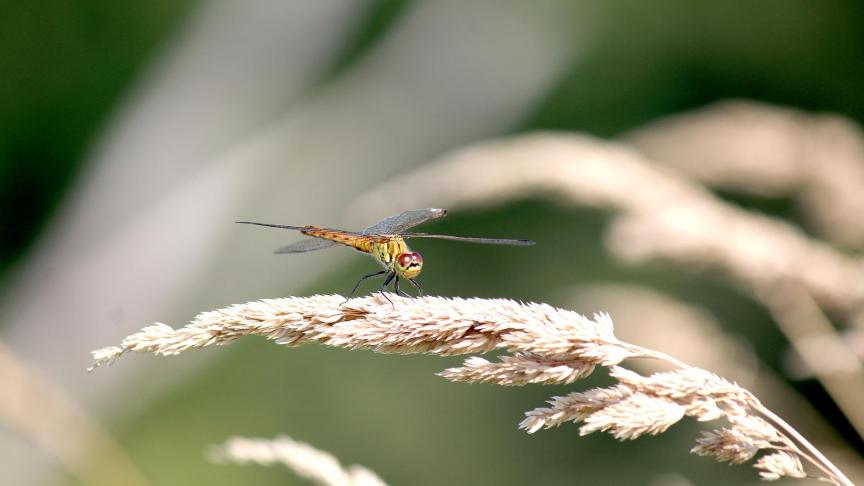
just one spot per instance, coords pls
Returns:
(385, 242)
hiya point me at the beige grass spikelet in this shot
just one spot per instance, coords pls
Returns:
(665, 397)
(634, 416)
(728, 445)
(738, 443)
(573, 407)
(519, 369)
(779, 464)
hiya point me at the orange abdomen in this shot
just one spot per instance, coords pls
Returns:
(360, 242)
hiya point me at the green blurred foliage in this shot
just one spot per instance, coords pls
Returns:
(65, 65)
(656, 58)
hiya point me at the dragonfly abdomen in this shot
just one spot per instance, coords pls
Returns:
(364, 243)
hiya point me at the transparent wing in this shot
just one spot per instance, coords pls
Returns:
(488, 241)
(401, 222)
(302, 246)
(307, 245)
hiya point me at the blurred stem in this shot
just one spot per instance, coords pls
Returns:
(45, 414)
(821, 348)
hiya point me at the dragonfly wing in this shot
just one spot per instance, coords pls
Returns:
(406, 220)
(302, 246)
(488, 241)
(307, 245)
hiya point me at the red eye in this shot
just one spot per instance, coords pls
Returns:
(405, 259)
(408, 259)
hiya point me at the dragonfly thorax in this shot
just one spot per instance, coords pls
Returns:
(409, 265)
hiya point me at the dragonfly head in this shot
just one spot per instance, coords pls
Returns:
(409, 265)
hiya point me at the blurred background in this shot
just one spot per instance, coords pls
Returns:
(133, 135)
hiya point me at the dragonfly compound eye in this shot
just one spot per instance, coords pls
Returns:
(404, 260)
(410, 264)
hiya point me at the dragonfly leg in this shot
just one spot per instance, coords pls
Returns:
(390, 277)
(364, 277)
(398, 291)
(417, 286)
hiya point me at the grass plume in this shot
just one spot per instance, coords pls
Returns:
(545, 345)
